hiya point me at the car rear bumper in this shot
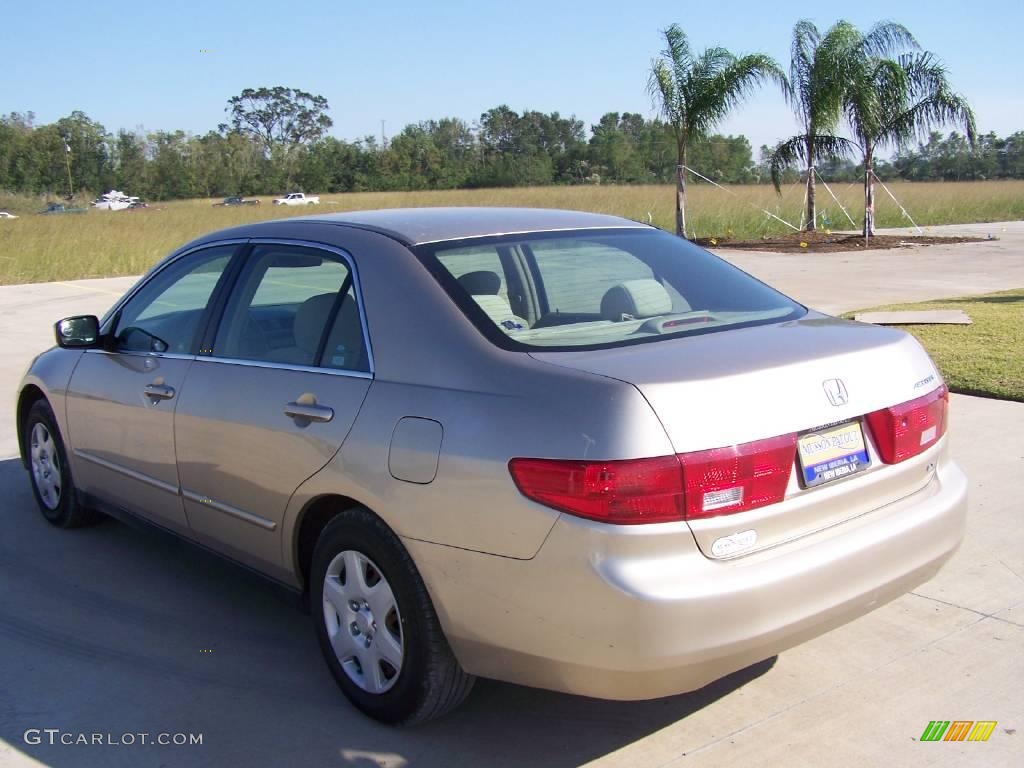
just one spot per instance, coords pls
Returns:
(637, 612)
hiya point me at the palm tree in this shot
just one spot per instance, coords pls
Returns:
(890, 102)
(696, 91)
(818, 76)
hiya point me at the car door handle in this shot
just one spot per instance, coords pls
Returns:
(309, 412)
(159, 391)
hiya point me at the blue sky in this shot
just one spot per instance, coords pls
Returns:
(174, 65)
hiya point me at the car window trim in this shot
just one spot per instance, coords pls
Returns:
(285, 366)
(347, 259)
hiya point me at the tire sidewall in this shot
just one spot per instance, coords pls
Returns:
(41, 412)
(402, 700)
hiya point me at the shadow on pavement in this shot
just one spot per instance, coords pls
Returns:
(117, 630)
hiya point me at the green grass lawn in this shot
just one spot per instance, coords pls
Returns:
(985, 358)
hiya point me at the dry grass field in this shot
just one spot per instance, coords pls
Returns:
(103, 244)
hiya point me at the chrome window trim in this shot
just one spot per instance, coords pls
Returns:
(137, 353)
(357, 289)
(284, 366)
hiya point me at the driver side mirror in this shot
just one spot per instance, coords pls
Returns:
(79, 332)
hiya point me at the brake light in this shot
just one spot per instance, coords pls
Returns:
(701, 484)
(907, 429)
(722, 481)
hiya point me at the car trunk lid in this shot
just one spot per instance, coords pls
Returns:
(738, 386)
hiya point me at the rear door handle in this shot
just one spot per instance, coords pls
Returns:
(159, 391)
(309, 412)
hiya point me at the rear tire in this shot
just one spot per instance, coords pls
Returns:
(377, 627)
(52, 484)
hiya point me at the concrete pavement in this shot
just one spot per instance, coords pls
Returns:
(842, 282)
(113, 629)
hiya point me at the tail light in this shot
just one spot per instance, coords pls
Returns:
(737, 478)
(907, 429)
(623, 492)
(719, 481)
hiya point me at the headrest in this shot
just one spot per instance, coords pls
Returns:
(310, 319)
(481, 283)
(635, 298)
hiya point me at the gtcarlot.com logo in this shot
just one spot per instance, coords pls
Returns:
(55, 736)
(958, 730)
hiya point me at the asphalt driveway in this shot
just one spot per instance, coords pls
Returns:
(118, 630)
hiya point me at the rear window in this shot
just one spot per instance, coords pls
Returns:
(589, 290)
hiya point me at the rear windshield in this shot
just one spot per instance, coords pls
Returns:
(596, 289)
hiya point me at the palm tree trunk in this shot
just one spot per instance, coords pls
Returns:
(869, 195)
(681, 193)
(811, 210)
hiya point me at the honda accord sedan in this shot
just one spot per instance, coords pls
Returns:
(560, 449)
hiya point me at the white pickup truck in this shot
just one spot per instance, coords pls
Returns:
(297, 198)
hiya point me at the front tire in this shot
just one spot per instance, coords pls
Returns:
(50, 473)
(377, 627)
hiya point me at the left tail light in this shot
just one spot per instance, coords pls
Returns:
(623, 492)
(910, 428)
(687, 486)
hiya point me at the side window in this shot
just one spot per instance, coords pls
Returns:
(164, 315)
(294, 306)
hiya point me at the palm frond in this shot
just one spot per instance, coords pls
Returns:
(794, 150)
(786, 154)
(887, 38)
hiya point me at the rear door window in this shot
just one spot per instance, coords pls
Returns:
(293, 306)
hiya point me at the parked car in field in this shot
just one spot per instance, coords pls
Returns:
(297, 198)
(54, 208)
(235, 200)
(560, 449)
(6, 215)
(115, 201)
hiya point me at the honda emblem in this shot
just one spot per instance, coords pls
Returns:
(835, 390)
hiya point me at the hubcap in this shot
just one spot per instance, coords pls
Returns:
(363, 622)
(45, 466)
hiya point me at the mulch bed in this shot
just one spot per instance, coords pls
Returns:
(820, 242)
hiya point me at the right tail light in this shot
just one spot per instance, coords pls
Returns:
(910, 428)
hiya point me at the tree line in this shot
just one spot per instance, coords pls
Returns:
(942, 157)
(77, 154)
(623, 148)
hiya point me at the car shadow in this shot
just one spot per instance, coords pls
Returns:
(119, 630)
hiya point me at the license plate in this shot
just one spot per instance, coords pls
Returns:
(832, 452)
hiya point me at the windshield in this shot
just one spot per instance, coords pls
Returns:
(594, 289)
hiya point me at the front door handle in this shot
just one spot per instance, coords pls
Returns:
(311, 412)
(159, 391)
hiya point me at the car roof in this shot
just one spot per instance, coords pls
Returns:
(418, 226)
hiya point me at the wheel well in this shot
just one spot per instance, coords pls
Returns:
(28, 397)
(315, 518)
